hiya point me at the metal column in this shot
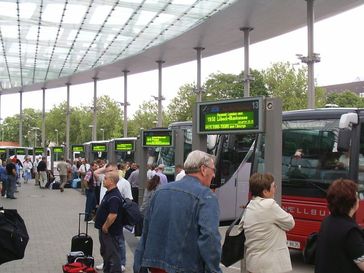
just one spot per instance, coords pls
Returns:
(160, 97)
(247, 77)
(311, 57)
(311, 61)
(141, 157)
(21, 119)
(199, 142)
(94, 120)
(43, 124)
(68, 148)
(125, 129)
(273, 142)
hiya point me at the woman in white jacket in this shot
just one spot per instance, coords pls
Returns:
(265, 224)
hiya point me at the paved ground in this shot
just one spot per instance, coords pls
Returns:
(52, 220)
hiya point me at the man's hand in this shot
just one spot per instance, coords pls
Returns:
(105, 229)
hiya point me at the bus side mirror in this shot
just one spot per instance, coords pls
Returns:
(343, 140)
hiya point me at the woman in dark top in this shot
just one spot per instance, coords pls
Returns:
(340, 245)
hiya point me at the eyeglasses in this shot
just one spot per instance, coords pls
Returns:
(211, 168)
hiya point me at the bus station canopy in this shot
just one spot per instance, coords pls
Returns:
(51, 43)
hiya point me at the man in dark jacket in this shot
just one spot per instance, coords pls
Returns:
(11, 183)
(42, 170)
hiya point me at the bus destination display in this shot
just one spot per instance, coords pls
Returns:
(58, 150)
(38, 151)
(157, 138)
(20, 151)
(232, 116)
(78, 148)
(100, 147)
(124, 146)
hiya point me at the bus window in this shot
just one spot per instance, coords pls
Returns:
(361, 160)
(232, 150)
(309, 157)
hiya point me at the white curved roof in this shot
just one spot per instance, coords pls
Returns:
(49, 43)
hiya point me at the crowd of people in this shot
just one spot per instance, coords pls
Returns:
(180, 231)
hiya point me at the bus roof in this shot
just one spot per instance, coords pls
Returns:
(325, 113)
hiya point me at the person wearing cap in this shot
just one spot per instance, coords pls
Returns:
(159, 171)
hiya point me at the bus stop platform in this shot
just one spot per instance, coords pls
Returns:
(51, 218)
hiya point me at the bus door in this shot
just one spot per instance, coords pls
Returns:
(232, 173)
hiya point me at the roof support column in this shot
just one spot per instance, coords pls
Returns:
(160, 97)
(311, 59)
(94, 120)
(247, 76)
(43, 124)
(125, 127)
(68, 148)
(199, 142)
(21, 118)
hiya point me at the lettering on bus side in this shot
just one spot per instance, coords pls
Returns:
(306, 212)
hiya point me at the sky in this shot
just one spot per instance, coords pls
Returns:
(339, 40)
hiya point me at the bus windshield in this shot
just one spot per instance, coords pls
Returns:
(310, 159)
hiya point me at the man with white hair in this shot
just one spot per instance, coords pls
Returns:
(182, 235)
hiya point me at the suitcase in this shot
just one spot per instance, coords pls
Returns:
(82, 241)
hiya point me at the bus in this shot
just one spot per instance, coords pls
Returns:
(318, 135)
(318, 147)
(232, 170)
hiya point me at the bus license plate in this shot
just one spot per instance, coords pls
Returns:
(293, 244)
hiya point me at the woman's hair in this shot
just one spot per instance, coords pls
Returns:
(342, 196)
(153, 182)
(259, 182)
(196, 159)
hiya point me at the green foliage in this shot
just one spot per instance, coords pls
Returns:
(180, 107)
(285, 82)
(145, 117)
(345, 99)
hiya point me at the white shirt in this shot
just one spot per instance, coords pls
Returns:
(180, 175)
(123, 186)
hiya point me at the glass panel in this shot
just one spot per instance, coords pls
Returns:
(130, 28)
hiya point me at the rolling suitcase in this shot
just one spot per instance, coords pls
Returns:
(82, 241)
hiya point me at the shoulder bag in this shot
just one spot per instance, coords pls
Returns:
(233, 247)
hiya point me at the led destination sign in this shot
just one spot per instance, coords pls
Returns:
(232, 116)
(99, 147)
(78, 148)
(2, 151)
(124, 146)
(58, 150)
(20, 151)
(38, 151)
(158, 138)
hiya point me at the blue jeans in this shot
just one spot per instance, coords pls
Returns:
(11, 186)
(90, 203)
(122, 251)
(110, 251)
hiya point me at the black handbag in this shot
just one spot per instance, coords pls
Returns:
(233, 247)
(13, 235)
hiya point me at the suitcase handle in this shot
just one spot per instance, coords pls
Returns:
(79, 223)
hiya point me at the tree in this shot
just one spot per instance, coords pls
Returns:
(145, 117)
(218, 86)
(180, 108)
(345, 99)
(285, 82)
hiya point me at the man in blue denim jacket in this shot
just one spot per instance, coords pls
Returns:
(180, 231)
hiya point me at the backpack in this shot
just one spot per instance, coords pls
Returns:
(131, 214)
